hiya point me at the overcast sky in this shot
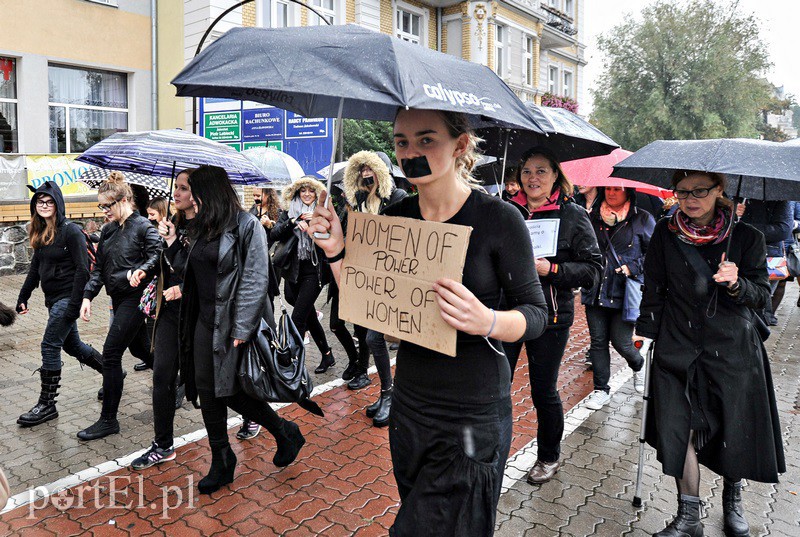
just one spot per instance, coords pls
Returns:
(780, 26)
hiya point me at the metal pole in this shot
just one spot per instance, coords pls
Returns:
(648, 362)
(195, 120)
(338, 127)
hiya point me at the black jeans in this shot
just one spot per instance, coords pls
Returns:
(380, 352)
(449, 465)
(544, 360)
(302, 295)
(339, 328)
(128, 330)
(61, 334)
(606, 325)
(165, 372)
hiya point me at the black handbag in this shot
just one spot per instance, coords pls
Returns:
(272, 367)
(633, 289)
(793, 259)
(282, 255)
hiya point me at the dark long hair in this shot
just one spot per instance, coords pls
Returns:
(43, 232)
(217, 202)
(561, 182)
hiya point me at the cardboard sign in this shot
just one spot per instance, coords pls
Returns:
(544, 236)
(388, 272)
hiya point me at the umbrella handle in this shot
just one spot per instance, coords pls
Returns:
(337, 129)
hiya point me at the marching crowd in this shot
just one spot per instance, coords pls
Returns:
(188, 290)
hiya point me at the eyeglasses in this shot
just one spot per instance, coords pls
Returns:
(105, 208)
(45, 203)
(697, 192)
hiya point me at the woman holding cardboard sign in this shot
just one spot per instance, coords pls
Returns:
(450, 421)
(575, 262)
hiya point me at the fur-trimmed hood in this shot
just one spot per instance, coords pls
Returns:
(290, 191)
(352, 176)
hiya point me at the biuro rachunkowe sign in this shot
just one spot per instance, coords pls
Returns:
(388, 273)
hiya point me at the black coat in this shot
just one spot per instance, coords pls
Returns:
(134, 245)
(712, 353)
(578, 260)
(283, 230)
(630, 239)
(241, 282)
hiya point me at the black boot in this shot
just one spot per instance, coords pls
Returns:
(360, 378)
(94, 360)
(350, 371)
(223, 464)
(326, 363)
(373, 408)
(100, 429)
(687, 522)
(289, 444)
(381, 418)
(45, 409)
(735, 525)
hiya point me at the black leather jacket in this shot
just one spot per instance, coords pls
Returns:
(135, 245)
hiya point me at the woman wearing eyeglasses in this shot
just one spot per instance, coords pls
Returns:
(711, 398)
(60, 265)
(127, 260)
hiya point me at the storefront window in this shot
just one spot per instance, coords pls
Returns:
(86, 106)
(8, 106)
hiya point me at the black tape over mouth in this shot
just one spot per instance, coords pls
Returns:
(415, 167)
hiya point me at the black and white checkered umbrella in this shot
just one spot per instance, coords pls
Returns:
(155, 186)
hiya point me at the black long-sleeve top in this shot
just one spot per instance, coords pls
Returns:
(499, 263)
(61, 267)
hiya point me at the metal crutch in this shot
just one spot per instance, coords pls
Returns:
(648, 360)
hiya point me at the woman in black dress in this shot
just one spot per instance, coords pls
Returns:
(222, 306)
(450, 421)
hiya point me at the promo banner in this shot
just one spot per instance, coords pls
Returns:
(63, 169)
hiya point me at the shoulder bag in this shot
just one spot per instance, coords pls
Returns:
(633, 289)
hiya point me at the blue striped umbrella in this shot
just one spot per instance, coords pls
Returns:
(162, 153)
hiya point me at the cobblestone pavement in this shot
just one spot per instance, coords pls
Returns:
(342, 482)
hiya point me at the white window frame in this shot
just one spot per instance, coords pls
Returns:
(399, 14)
(68, 107)
(553, 82)
(332, 13)
(273, 15)
(15, 102)
(528, 77)
(567, 90)
(412, 10)
(569, 8)
(501, 49)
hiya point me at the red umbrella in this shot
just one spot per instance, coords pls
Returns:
(596, 171)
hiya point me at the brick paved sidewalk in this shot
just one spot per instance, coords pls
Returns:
(342, 482)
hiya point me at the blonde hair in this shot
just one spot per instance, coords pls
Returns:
(160, 206)
(116, 187)
(458, 124)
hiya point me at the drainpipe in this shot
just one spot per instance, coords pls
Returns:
(438, 29)
(154, 60)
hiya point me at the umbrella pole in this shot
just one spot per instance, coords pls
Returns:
(337, 129)
(503, 169)
(171, 186)
(733, 216)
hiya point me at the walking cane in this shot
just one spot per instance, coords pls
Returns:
(637, 495)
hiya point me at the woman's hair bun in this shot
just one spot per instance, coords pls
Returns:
(115, 177)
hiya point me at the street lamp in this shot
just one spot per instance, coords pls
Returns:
(195, 120)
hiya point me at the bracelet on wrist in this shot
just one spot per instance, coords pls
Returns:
(494, 322)
(337, 257)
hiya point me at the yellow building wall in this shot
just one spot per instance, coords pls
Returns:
(350, 12)
(78, 31)
(249, 14)
(170, 62)
(387, 17)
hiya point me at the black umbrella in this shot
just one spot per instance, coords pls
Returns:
(567, 135)
(755, 169)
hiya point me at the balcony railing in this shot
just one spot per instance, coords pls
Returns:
(558, 20)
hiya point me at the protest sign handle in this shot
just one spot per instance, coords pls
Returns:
(337, 130)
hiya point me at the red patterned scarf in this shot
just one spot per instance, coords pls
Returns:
(713, 233)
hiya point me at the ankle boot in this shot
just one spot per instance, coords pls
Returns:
(100, 429)
(350, 371)
(223, 464)
(373, 408)
(381, 418)
(326, 363)
(735, 525)
(289, 444)
(94, 360)
(687, 522)
(45, 409)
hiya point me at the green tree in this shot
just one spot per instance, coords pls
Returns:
(796, 116)
(686, 70)
(361, 135)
